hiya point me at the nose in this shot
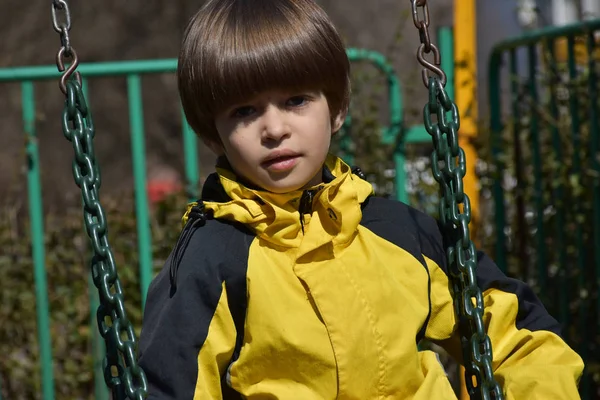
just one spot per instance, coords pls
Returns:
(275, 125)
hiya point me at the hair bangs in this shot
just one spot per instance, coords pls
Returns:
(264, 69)
(272, 46)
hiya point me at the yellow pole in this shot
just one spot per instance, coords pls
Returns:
(465, 59)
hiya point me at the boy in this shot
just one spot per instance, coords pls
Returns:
(290, 279)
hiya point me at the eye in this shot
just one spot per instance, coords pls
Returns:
(297, 101)
(243, 112)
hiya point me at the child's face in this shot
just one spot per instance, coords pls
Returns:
(277, 140)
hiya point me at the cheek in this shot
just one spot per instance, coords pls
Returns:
(229, 132)
(239, 148)
(326, 129)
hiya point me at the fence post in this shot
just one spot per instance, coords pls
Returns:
(37, 239)
(136, 122)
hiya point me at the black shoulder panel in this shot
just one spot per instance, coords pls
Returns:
(176, 322)
(228, 246)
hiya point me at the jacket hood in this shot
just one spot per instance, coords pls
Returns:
(307, 219)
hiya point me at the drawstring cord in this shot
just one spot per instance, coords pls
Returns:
(196, 218)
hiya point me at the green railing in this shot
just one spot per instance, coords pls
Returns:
(545, 114)
(395, 134)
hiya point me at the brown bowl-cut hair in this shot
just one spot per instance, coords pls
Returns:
(235, 49)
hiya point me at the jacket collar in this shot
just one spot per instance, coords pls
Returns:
(303, 219)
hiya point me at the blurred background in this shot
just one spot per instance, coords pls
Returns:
(522, 72)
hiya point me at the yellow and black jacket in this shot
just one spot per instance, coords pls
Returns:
(325, 294)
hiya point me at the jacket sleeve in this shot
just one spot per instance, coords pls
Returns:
(530, 359)
(188, 335)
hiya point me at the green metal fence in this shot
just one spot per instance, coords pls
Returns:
(545, 110)
(395, 134)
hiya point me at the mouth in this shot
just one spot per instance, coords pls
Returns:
(279, 161)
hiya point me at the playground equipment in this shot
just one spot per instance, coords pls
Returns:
(441, 122)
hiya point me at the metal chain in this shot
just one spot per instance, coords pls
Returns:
(113, 323)
(449, 168)
(122, 374)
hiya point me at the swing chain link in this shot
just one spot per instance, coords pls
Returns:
(420, 7)
(449, 168)
(122, 374)
(62, 25)
(113, 323)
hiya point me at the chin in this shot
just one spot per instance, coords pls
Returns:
(281, 189)
(284, 185)
(292, 181)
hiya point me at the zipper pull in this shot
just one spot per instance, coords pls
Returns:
(306, 202)
(305, 206)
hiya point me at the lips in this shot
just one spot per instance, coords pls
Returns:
(280, 160)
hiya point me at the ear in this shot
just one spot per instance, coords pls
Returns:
(216, 147)
(338, 121)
